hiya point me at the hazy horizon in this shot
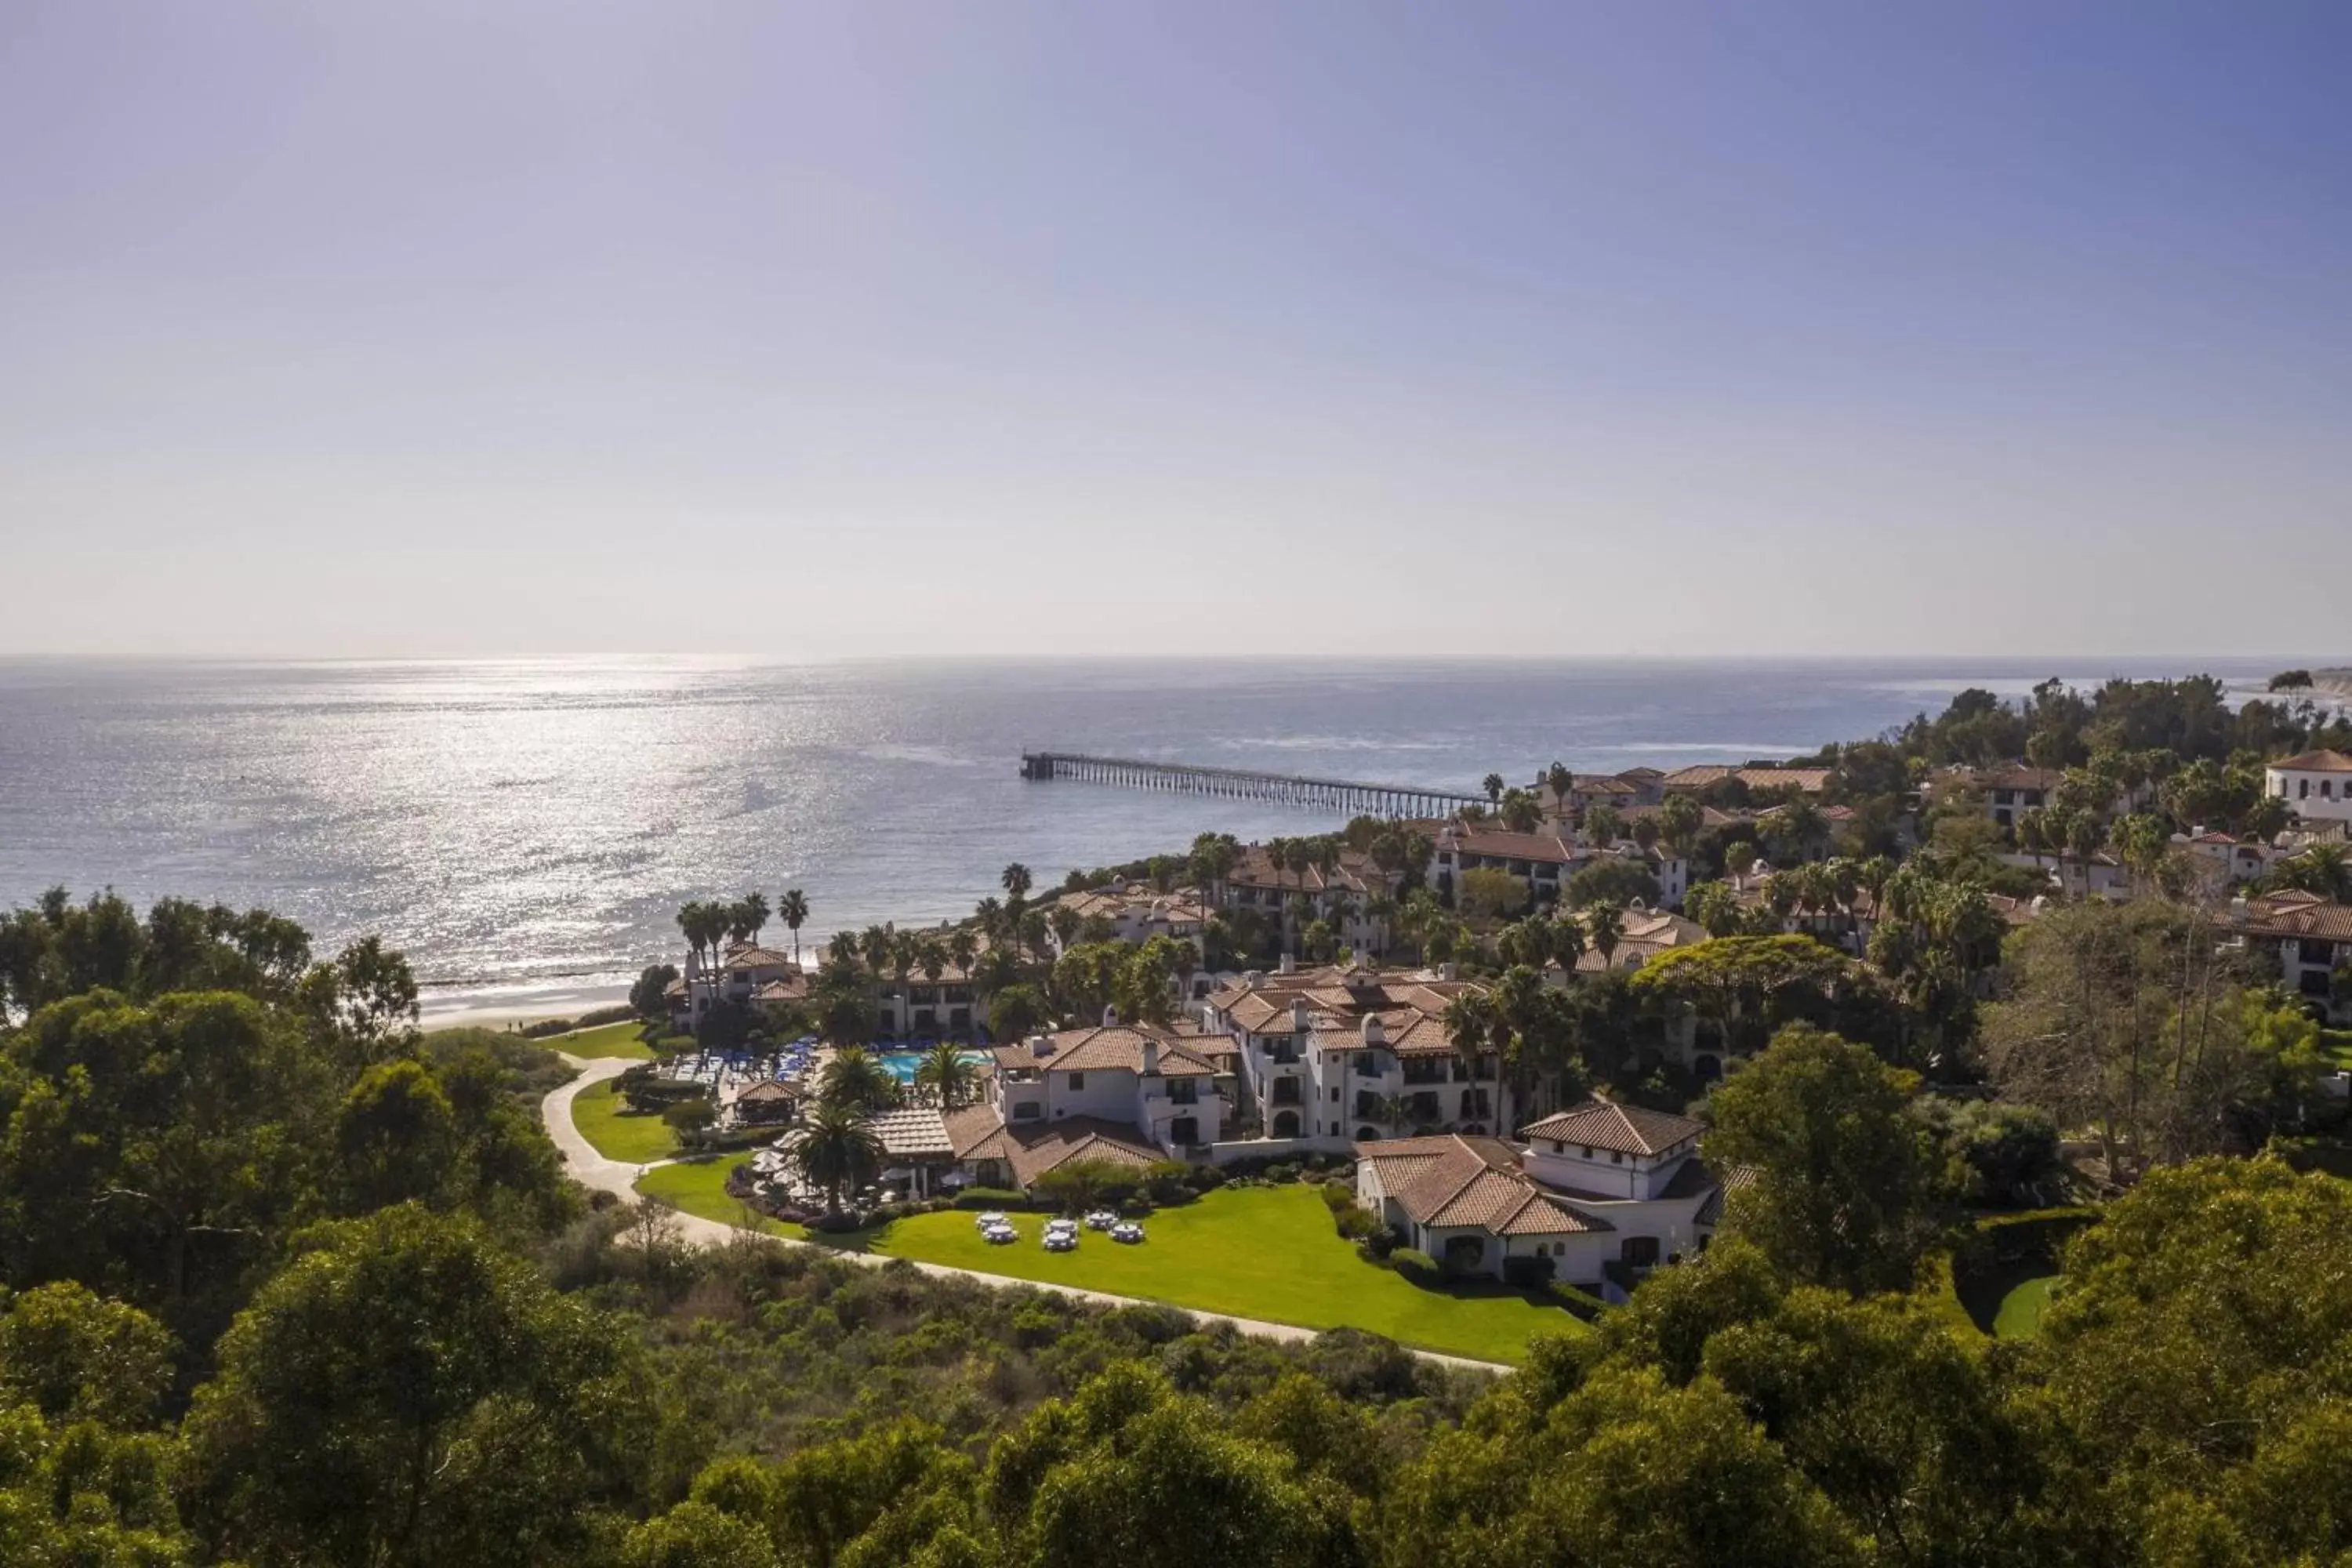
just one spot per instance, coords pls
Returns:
(1361, 330)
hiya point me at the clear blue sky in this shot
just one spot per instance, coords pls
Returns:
(809, 329)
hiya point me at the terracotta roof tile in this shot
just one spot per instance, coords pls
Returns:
(1623, 1129)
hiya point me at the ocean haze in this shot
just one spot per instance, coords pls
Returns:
(525, 829)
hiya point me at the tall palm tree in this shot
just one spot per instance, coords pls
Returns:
(854, 1078)
(793, 911)
(754, 911)
(843, 950)
(990, 912)
(874, 947)
(1017, 883)
(945, 1073)
(1605, 927)
(931, 956)
(1063, 921)
(837, 1148)
(1493, 785)
(963, 948)
(1563, 784)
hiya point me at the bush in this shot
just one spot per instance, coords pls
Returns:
(1339, 1197)
(1582, 1303)
(1376, 1247)
(1418, 1267)
(546, 1026)
(1165, 1183)
(690, 1115)
(978, 1198)
(1357, 1224)
(1204, 1178)
(1528, 1273)
(1281, 1170)
(597, 1016)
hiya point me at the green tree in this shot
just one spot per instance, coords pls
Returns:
(792, 909)
(1846, 1191)
(854, 1079)
(837, 1148)
(649, 998)
(74, 1355)
(1015, 1012)
(404, 1392)
(1491, 893)
(395, 1134)
(1612, 879)
(947, 1075)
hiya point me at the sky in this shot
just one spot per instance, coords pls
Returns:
(1111, 328)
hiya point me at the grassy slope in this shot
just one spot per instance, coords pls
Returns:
(2019, 1317)
(605, 1120)
(604, 1040)
(699, 1187)
(1256, 1252)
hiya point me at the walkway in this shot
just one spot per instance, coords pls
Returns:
(593, 1170)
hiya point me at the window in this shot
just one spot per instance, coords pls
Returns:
(1077, 1081)
(1024, 1110)
(1616, 1157)
(1335, 1094)
(1639, 1251)
(2301, 789)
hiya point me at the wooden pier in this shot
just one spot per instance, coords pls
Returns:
(1352, 796)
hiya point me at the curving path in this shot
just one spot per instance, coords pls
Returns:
(591, 1168)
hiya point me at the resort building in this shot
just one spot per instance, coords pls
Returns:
(1136, 911)
(2316, 784)
(1347, 1055)
(2231, 858)
(1596, 1197)
(1345, 895)
(2309, 937)
(1159, 1094)
(1545, 861)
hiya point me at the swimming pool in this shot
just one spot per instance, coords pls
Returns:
(901, 1064)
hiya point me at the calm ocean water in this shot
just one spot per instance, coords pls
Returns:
(526, 829)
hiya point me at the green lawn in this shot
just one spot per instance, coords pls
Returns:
(1256, 1252)
(699, 1187)
(606, 1121)
(2019, 1317)
(604, 1040)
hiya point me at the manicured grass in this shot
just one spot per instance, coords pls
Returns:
(1255, 1252)
(2019, 1317)
(699, 1187)
(605, 1120)
(604, 1040)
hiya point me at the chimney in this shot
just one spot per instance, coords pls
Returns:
(1150, 1055)
(1375, 1032)
(1301, 1021)
(1289, 965)
(2238, 909)
(1253, 978)
(1039, 1046)
(1110, 1016)
(1447, 971)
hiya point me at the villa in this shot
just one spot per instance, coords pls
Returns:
(2316, 784)
(1706, 776)
(1130, 1093)
(1596, 1197)
(1344, 895)
(1545, 861)
(2309, 936)
(1334, 1057)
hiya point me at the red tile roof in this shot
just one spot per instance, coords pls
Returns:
(1623, 1128)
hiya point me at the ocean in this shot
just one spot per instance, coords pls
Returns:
(526, 829)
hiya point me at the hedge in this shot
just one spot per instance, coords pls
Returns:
(1528, 1273)
(1582, 1303)
(991, 1199)
(1418, 1267)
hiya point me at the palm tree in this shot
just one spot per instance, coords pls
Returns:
(753, 912)
(1563, 784)
(1474, 1023)
(1186, 963)
(963, 948)
(945, 1073)
(1605, 925)
(1031, 931)
(874, 947)
(837, 1148)
(931, 956)
(1063, 921)
(843, 950)
(854, 1078)
(793, 911)
(1493, 785)
(990, 912)
(1016, 882)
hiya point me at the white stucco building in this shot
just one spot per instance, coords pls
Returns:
(2316, 784)
(1601, 1193)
